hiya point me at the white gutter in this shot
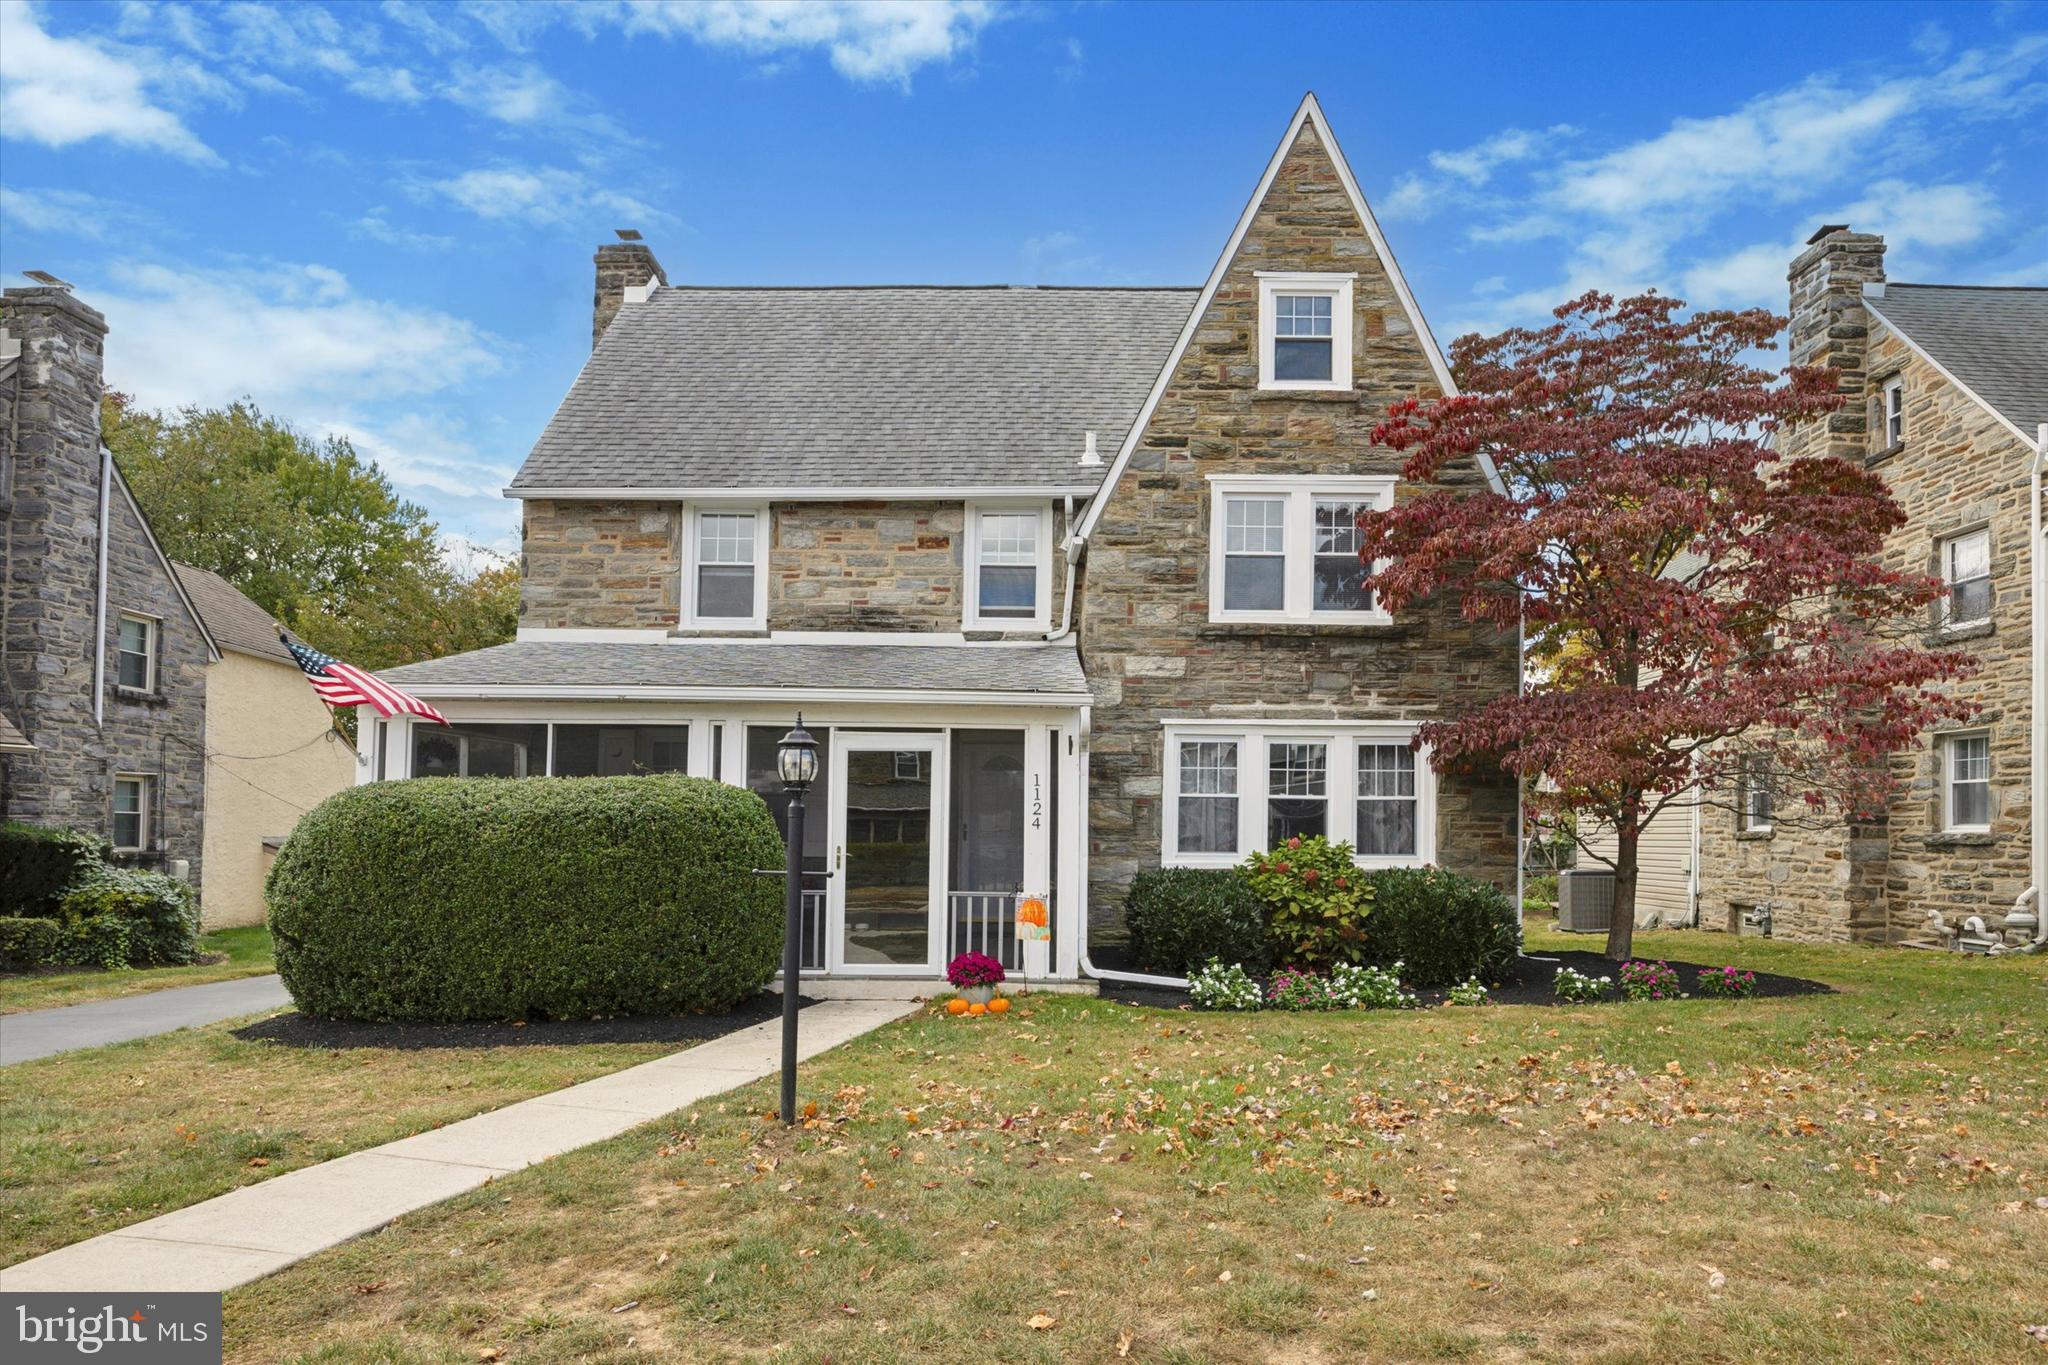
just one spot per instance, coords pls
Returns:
(2037, 668)
(805, 493)
(99, 650)
(1072, 549)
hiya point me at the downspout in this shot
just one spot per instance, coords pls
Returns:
(2037, 670)
(99, 646)
(1072, 550)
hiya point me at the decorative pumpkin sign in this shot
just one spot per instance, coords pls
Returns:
(1034, 920)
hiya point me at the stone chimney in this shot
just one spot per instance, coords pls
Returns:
(1831, 327)
(625, 264)
(55, 425)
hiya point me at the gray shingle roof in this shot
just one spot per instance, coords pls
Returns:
(748, 664)
(858, 387)
(1993, 340)
(231, 619)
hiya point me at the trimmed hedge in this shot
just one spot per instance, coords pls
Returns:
(27, 941)
(38, 864)
(543, 897)
(1180, 917)
(1442, 927)
(161, 913)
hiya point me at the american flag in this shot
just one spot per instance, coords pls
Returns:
(341, 684)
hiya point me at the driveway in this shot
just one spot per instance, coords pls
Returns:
(43, 1033)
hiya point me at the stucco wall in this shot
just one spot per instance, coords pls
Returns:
(267, 762)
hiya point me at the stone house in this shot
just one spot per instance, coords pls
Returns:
(1064, 580)
(102, 653)
(1947, 390)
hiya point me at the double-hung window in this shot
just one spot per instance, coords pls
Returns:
(1009, 567)
(1966, 783)
(1304, 330)
(1239, 788)
(1893, 398)
(135, 653)
(1753, 795)
(132, 813)
(1284, 548)
(1966, 568)
(727, 584)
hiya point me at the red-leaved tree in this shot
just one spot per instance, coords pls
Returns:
(1702, 615)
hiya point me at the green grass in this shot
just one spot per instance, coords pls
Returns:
(1860, 1170)
(244, 952)
(95, 1140)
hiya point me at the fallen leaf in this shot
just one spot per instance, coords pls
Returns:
(491, 1353)
(1123, 1343)
(259, 1161)
(1937, 1263)
(1040, 1322)
(1224, 1278)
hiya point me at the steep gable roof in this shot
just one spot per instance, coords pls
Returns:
(1993, 342)
(701, 390)
(170, 572)
(235, 622)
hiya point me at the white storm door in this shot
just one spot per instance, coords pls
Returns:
(888, 889)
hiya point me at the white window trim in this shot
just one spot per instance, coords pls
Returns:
(1252, 738)
(763, 537)
(145, 824)
(1944, 550)
(1946, 744)
(1040, 620)
(1746, 784)
(153, 626)
(1301, 491)
(1892, 404)
(1339, 288)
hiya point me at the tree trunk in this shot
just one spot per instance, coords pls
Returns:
(1621, 930)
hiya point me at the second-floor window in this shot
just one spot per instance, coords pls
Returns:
(1009, 567)
(1304, 330)
(727, 584)
(1966, 568)
(135, 653)
(1893, 400)
(1284, 549)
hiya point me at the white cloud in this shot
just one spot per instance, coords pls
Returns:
(521, 94)
(63, 91)
(870, 41)
(1475, 164)
(538, 194)
(73, 212)
(377, 227)
(421, 453)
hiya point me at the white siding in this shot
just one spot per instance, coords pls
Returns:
(1664, 858)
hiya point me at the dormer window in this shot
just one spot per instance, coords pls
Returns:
(1304, 330)
(1008, 558)
(726, 587)
(1894, 400)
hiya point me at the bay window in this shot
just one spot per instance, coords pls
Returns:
(1241, 787)
(1283, 549)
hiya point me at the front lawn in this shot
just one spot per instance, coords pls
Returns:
(1826, 1177)
(95, 1140)
(243, 952)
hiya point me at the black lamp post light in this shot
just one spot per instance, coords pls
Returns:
(796, 759)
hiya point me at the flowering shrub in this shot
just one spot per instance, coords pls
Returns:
(1217, 987)
(1470, 991)
(1649, 981)
(974, 969)
(1316, 900)
(1370, 988)
(1578, 988)
(1726, 983)
(1293, 990)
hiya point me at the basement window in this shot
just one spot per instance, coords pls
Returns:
(1304, 330)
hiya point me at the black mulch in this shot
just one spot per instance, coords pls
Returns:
(293, 1029)
(1531, 985)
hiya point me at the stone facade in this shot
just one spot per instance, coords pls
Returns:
(48, 640)
(1957, 469)
(1151, 652)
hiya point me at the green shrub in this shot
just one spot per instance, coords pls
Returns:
(27, 941)
(1181, 917)
(1317, 901)
(161, 912)
(1443, 928)
(479, 898)
(39, 864)
(93, 941)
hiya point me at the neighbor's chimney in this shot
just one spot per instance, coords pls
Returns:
(1831, 327)
(625, 264)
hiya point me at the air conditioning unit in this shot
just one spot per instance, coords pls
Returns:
(1585, 900)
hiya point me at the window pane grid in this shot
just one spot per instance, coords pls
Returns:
(1297, 770)
(725, 538)
(1009, 538)
(1969, 781)
(1255, 526)
(1301, 315)
(1206, 815)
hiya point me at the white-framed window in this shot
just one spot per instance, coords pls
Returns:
(1753, 795)
(725, 567)
(1008, 560)
(135, 652)
(910, 766)
(1966, 782)
(1237, 788)
(1284, 548)
(1892, 397)
(133, 811)
(1966, 568)
(1304, 330)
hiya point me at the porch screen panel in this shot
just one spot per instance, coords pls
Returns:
(620, 750)
(764, 779)
(986, 868)
(479, 750)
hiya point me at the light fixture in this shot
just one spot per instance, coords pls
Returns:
(796, 758)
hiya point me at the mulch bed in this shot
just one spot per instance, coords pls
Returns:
(293, 1029)
(1531, 985)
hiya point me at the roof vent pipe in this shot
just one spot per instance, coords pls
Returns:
(1089, 459)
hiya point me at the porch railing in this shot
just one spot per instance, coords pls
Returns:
(984, 922)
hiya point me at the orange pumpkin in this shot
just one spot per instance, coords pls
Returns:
(977, 1009)
(956, 1006)
(999, 1005)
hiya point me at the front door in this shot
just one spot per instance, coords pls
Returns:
(888, 811)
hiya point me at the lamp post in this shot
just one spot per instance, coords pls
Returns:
(796, 760)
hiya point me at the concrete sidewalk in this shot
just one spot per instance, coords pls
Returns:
(43, 1033)
(260, 1228)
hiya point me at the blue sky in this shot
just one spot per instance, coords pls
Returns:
(378, 219)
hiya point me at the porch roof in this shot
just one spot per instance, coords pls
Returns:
(1044, 673)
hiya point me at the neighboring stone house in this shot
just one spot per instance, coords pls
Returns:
(272, 751)
(102, 655)
(1064, 579)
(1947, 386)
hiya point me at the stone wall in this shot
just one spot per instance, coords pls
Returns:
(1151, 653)
(600, 564)
(50, 604)
(620, 266)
